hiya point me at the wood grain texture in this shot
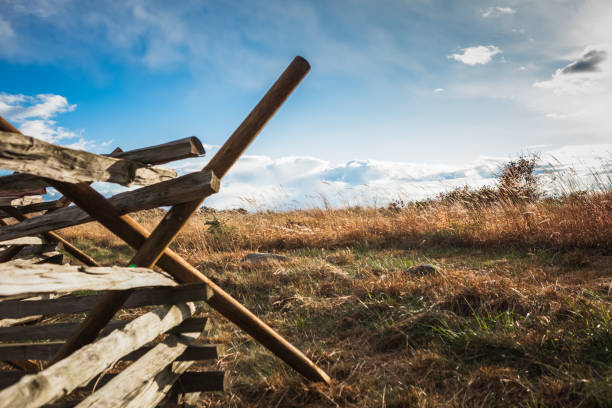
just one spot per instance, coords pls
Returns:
(156, 389)
(22, 241)
(29, 155)
(76, 304)
(170, 192)
(47, 278)
(164, 153)
(47, 350)
(160, 154)
(19, 201)
(134, 380)
(10, 332)
(83, 365)
(193, 381)
(22, 193)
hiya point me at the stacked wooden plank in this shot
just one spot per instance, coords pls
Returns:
(157, 365)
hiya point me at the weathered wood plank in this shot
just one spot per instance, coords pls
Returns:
(46, 351)
(159, 154)
(14, 193)
(18, 201)
(46, 278)
(61, 331)
(77, 304)
(133, 381)
(156, 389)
(37, 207)
(194, 352)
(83, 365)
(193, 381)
(164, 153)
(169, 192)
(38, 158)
(22, 241)
(38, 249)
(16, 323)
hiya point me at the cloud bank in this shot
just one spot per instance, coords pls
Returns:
(261, 182)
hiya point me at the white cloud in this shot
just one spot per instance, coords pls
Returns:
(480, 54)
(33, 117)
(22, 107)
(438, 90)
(498, 11)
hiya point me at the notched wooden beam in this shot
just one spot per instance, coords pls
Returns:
(35, 157)
(164, 153)
(47, 278)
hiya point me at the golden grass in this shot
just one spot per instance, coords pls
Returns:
(582, 221)
(519, 314)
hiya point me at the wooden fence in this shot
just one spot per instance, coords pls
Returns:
(59, 358)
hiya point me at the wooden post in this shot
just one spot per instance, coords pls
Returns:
(135, 235)
(225, 158)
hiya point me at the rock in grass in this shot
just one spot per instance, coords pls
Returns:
(423, 269)
(261, 257)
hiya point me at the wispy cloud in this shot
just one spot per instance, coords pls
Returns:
(6, 31)
(34, 115)
(481, 54)
(498, 11)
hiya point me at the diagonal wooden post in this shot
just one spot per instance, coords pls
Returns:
(135, 235)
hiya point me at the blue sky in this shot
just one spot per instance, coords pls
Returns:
(400, 92)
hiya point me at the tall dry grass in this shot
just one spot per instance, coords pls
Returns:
(512, 213)
(580, 221)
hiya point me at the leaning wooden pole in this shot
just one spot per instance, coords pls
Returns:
(135, 235)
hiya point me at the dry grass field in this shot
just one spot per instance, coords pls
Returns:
(516, 313)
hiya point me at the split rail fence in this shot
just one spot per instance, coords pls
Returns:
(90, 356)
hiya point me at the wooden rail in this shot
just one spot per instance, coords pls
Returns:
(26, 279)
(180, 189)
(160, 154)
(77, 304)
(33, 156)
